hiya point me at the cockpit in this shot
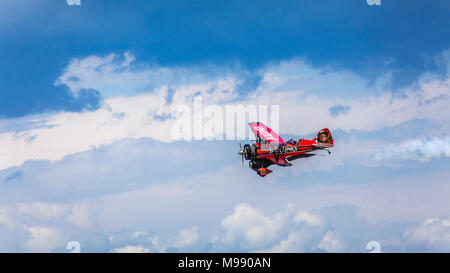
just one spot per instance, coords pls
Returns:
(292, 141)
(323, 137)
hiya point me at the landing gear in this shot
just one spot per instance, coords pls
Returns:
(253, 150)
(253, 165)
(247, 152)
(263, 172)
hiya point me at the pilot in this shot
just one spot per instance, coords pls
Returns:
(292, 142)
(323, 137)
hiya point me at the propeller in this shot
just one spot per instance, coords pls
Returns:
(241, 152)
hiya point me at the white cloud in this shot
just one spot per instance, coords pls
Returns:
(365, 114)
(250, 229)
(42, 210)
(186, 238)
(288, 230)
(420, 149)
(332, 242)
(288, 84)
(120, 118)
(83, 215)
(5, 217)
(433, 234)
(311, 219)
(108, 74)
(124, 171)
(135, 184)
(132, 249)
(247, 228)
(299, 241)
(135, 241)
(73, 2)
(42, 227)
(44, 239)
(115, 75)
(138, 234)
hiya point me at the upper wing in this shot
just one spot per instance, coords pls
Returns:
(265, 133)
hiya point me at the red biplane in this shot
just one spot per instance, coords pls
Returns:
(270, 148)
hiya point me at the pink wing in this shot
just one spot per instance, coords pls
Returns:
(265, 132)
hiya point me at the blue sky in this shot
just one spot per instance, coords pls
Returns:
(86, 93)
(38, 38)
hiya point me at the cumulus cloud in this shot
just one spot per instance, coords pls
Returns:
(336, 228)
(5, 217)
(84, 214)
(46, 227)
(43, 239)
(134, 241)
(332, 242)
(311, 219)
(116, 74)
(131, 241)
(108, 74)
(433, 234)
(186, 238)
(247, 228)
(45, 211)
(120, 118)
(420, 149)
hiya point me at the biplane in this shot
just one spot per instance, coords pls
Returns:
(270, 149)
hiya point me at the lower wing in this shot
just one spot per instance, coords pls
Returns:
(278, 160)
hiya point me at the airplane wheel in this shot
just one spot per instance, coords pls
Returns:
(247, 152)
(253, 150)
(253, 165)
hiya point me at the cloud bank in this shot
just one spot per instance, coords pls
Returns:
(301, 91)
(106, 177)
(246, 229)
